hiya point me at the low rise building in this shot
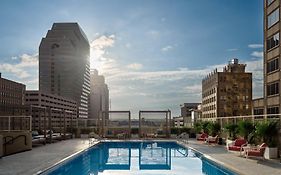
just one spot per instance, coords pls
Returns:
(227, 93)
(54, 107)
(186, 120)
(178, 122)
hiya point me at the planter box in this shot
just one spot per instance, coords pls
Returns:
(271, 153)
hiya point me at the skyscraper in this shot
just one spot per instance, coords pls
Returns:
(64, 65)
(99, 98)
(272, 56)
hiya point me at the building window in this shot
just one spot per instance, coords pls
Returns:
(272, 65)
(269, 2)
(273, 41)
(273, 89)
(273, 110)
(258, 111)
(273, 18)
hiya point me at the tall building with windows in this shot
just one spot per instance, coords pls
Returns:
(99, 97)
(64, 65)
(227, 93)
(11, 97)
(272, 52)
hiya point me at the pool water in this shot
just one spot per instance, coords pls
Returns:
(138, 158)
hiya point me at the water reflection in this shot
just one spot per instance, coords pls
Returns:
(154, 156)
(134, 157)
(117, 156)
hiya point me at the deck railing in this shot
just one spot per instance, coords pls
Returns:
(15, 123)
(253, 118)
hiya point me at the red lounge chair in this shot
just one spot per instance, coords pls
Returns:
(256, 152)
(237, 145)
(210, 140)
(202, 137)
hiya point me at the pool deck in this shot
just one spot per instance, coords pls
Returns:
(40, 158)
(250, 166)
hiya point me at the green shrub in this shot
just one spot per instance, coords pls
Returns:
(198, 127)
(232, 130)
(204, 125)
(268, 132)
(213, 128)
(245, 128)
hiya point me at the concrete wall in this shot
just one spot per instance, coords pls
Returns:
(1, 146)
(18, 145)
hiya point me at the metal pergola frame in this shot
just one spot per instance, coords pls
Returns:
(168, 121)
(103, 118)
(49, 111)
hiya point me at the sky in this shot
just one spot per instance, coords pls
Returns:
(153, 53)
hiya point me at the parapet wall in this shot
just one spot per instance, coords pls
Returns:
(15, 141)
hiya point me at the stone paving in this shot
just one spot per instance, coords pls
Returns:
(40, 158)
(250, 166)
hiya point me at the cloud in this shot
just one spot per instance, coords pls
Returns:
(167, 48)
(256, 67)
(135, 66)
(257, 54)
(103, 42)
(231, 50)
(255, 46)
(98, 57)
(9, 68)
(21, 68)
(28, 61)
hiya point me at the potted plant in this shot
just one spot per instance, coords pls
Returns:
(232, 130)
(198, 128)
(268, 132)
(214, 129)
(245, 128)
(205, 126)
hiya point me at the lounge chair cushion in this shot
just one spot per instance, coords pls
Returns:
(238, 143)
(202, 137)
(258, 152)
(234, 148)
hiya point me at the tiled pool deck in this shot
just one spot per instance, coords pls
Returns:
(251, 166)
(42, 157)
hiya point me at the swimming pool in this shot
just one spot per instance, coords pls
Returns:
(138, 158)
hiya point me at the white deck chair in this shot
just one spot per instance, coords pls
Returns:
(183, 137)
(93, 137)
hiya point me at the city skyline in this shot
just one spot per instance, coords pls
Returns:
(154, 52)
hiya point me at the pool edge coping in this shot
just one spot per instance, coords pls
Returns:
(209, 157)
(40, 172)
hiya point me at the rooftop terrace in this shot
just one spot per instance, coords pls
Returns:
(40, 158)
